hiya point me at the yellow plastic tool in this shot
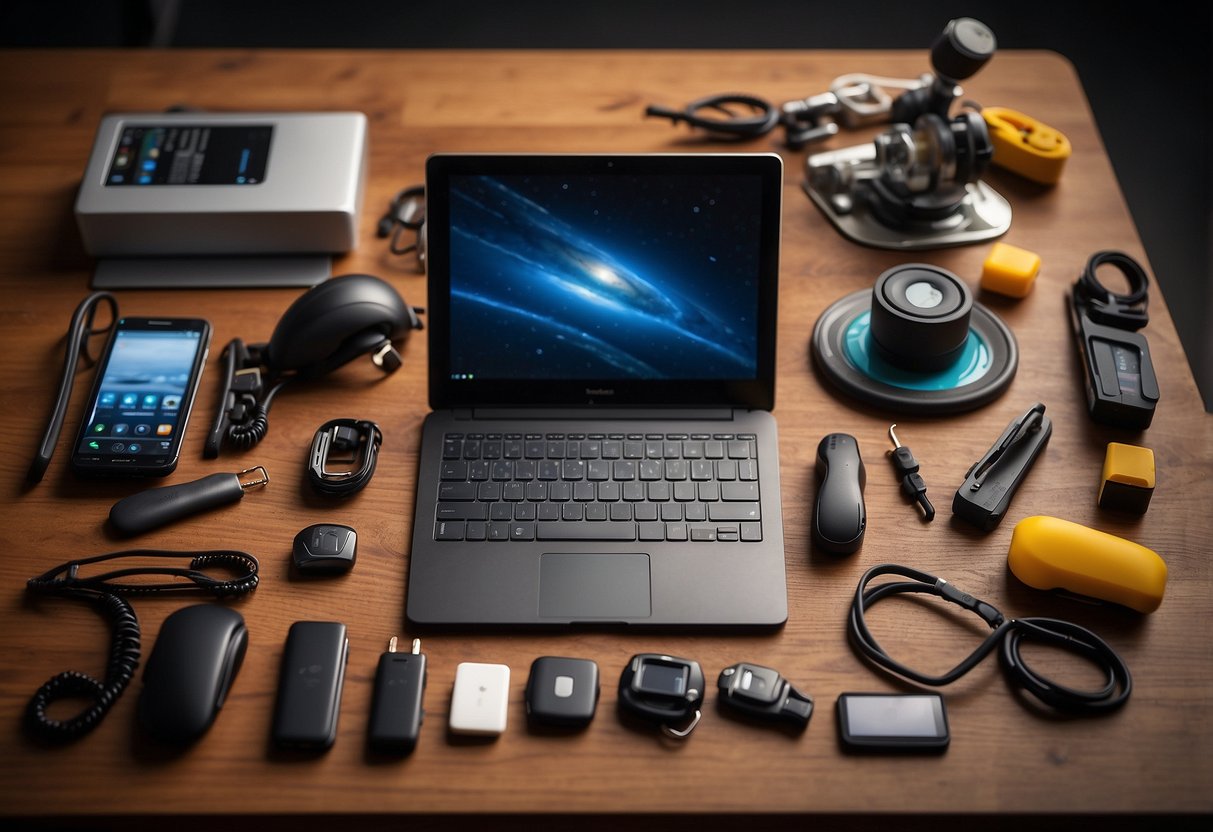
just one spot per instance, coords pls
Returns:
(1026, 146)
(1050, 553)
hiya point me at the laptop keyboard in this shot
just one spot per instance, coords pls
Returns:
(599, 487)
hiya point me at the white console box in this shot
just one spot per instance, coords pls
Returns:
(306, 201)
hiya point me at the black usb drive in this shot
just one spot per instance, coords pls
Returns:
(309, 689)
(396, 712)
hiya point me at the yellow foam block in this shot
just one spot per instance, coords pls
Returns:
(1009, 270)
(1127, 482)
(1050, 553)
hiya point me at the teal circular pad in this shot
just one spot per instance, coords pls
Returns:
(841, 349)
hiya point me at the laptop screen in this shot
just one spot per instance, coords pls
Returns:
(612, 280)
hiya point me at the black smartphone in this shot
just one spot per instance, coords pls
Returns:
(140, 404)
(893, 722)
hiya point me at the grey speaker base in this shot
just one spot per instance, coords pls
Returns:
(211, 272)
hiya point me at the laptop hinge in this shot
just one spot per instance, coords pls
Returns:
(647, 414)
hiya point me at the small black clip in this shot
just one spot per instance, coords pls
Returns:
(991, 482)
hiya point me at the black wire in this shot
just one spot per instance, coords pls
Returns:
(721, 119)
(244, 436)
(79, 331)
(1127, 311)
(1009, 632)
(100, 590)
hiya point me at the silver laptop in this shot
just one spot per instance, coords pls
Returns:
(601, 374)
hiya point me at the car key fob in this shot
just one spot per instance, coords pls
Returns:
(839, 517)
(761, 692)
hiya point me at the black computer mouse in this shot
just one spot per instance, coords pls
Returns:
(190, 670)
(839, 516)
(336, 321)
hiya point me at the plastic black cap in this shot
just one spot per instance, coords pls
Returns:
(963, 48)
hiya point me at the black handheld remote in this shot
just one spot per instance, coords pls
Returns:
(309, 689)
(839, 516)
(396, 711)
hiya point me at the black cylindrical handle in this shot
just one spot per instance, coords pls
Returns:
(962, 49)
(157, 507)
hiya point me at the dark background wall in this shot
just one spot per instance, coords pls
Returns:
(1146, 68)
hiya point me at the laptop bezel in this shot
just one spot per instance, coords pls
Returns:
(447, 393)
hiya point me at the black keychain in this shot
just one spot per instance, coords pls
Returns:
(663, 689)
(762, 692)
(157, 507)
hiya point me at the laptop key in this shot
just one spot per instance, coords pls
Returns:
(747, 469)
(452, 449)
(522, 531)
(733, 512)
(701, 533)
(489, 492)
(586, 531)
(499, 531)
(595, 511)
(676, 531)
(461, 511)
(448, 530)
(456, 491)
(549, 511)
(652, 531)
(751, 532)
(454, 471)
(501, 511)
(477, 530)
(734, 492)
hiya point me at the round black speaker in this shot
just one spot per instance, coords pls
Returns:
(920, 317)
(916, 343)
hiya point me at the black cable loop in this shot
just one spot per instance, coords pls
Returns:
(106, 596)
(1124, 311)
(764, 119)
(1009, 633)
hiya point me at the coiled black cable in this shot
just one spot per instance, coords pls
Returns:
(1009, 632)
(1123, 311)
(106, 595)
(357, 437)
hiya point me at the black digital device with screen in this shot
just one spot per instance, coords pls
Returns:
(185, 154)
(893, 722)
(141, 399)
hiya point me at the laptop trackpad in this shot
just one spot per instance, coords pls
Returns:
(594, 586)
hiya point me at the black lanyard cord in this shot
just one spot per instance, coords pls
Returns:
(1010, 633)
(106, 595)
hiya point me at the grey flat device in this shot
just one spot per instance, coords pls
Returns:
(602, 369)
(222, 199)
(190, 670)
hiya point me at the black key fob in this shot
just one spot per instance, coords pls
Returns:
(663, 689)
(325, 548)
(761, 692)
(562, 691)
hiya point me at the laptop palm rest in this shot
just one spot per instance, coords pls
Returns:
(612, 586)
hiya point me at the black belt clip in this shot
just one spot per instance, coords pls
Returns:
(985, 495)
(342, 458)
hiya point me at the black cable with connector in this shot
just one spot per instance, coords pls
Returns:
(1010, 633)
(105, 592)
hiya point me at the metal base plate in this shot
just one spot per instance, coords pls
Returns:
(982, 215)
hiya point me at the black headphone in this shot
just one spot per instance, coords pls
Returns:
(325, 328)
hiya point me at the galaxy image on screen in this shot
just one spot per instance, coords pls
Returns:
(604, 276)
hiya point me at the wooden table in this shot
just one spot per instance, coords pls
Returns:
(1155, 755)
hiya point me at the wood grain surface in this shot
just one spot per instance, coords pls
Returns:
(1155, 755)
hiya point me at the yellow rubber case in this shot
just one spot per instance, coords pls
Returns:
(1025, 145)
(1050, 553)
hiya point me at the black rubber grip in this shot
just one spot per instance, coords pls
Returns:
(157, 507)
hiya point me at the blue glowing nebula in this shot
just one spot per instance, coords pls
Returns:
(604, 277)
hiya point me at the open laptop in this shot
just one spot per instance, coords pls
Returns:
(601, 375)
